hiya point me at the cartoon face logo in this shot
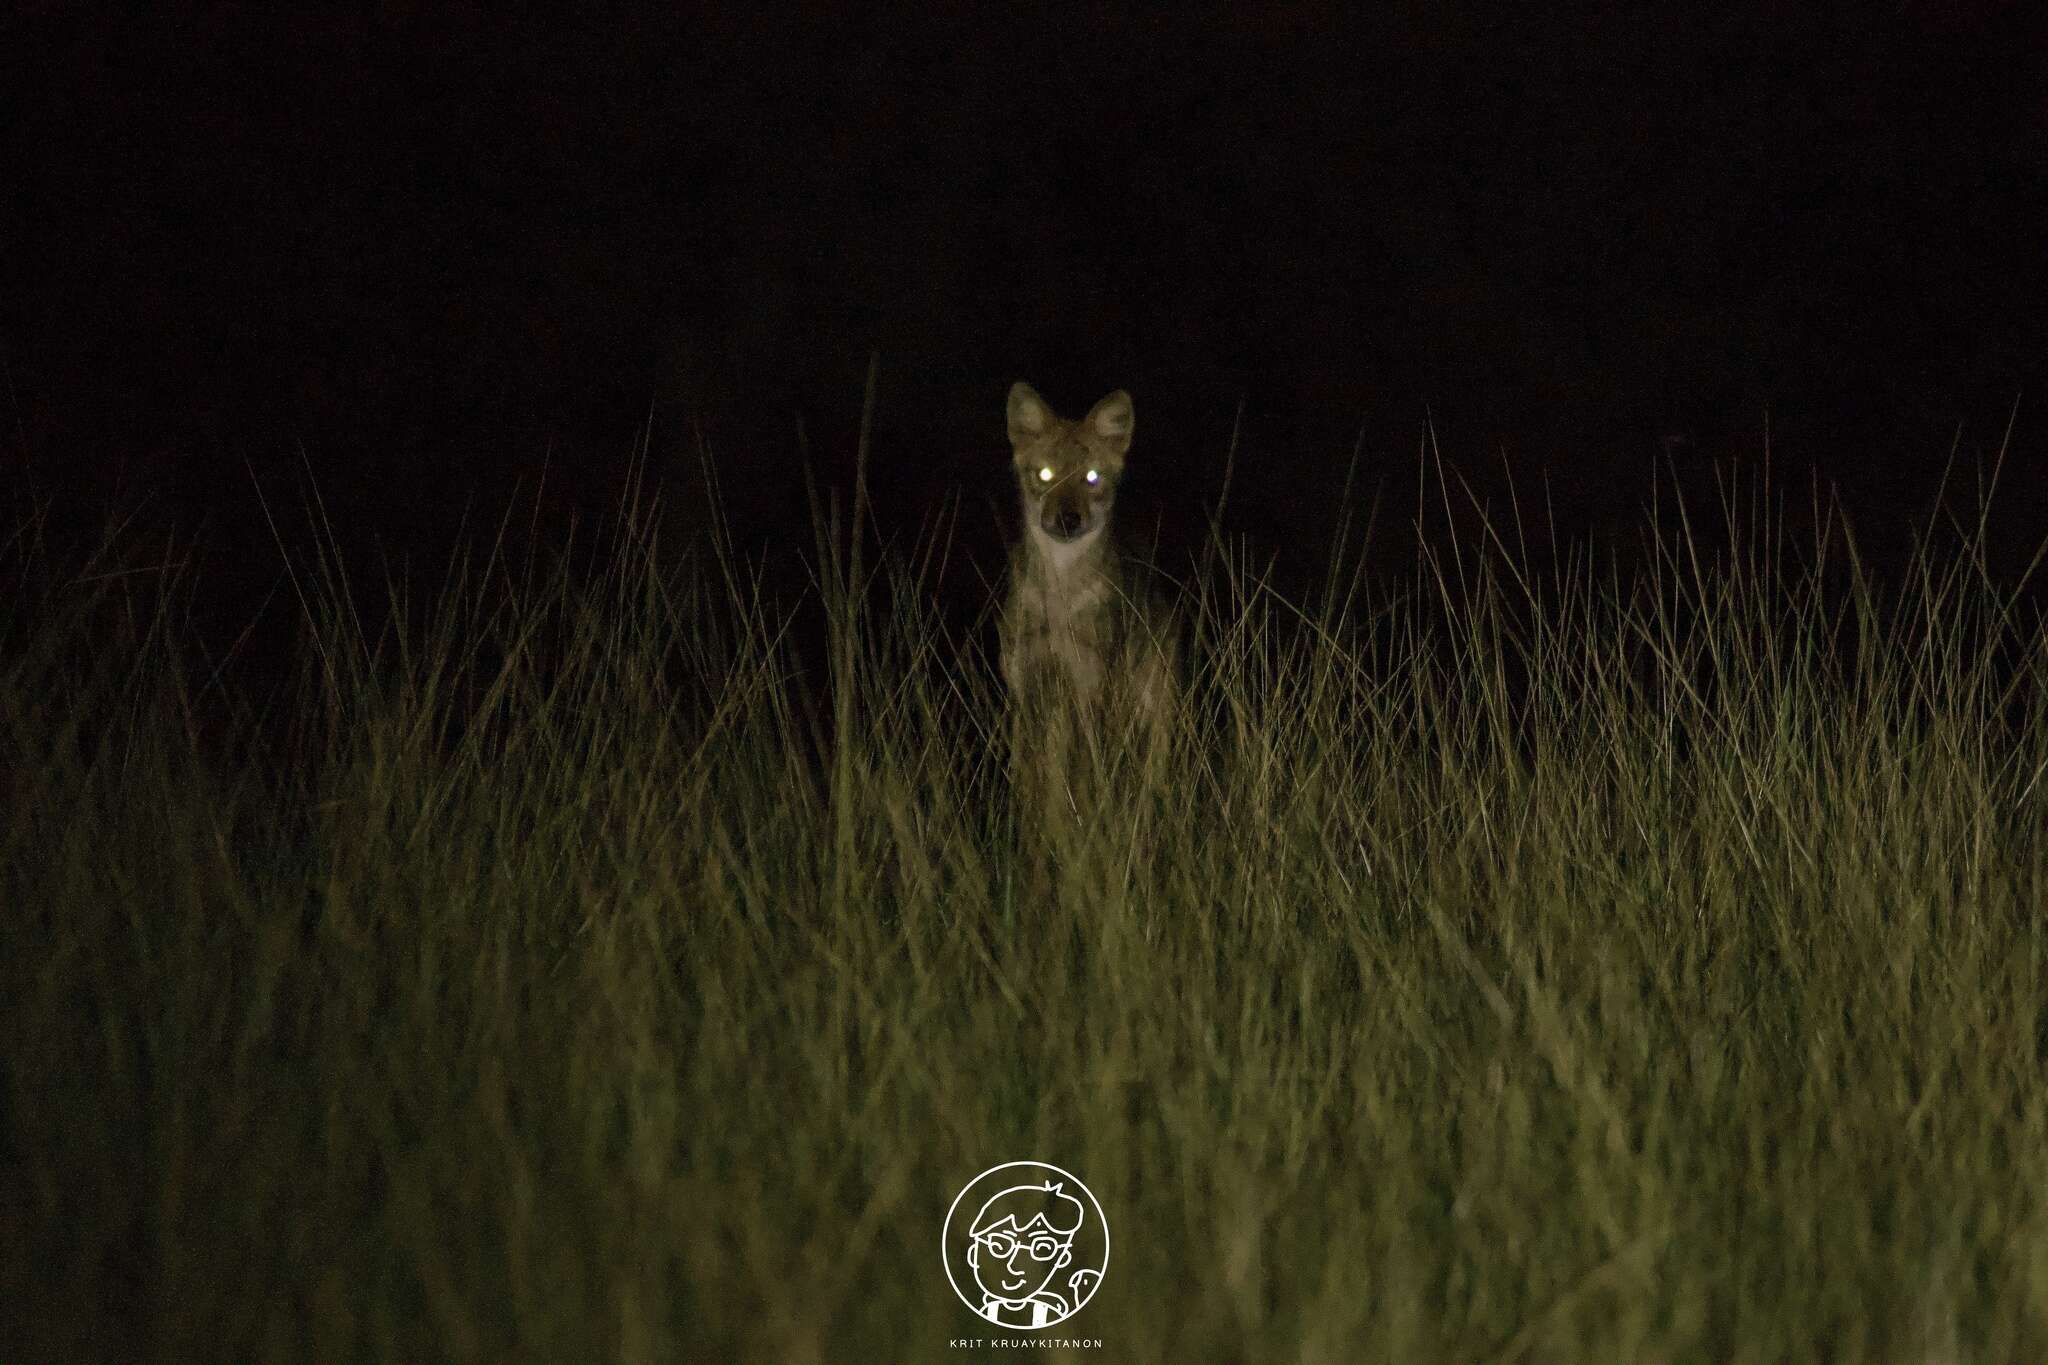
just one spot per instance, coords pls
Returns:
(1025, 1245)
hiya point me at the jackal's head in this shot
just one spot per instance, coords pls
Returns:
(1068, 470)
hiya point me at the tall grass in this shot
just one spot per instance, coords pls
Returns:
(1503, 966)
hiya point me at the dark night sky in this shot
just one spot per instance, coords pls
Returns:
(418, 248)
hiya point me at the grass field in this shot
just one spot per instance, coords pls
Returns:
(1568, 968)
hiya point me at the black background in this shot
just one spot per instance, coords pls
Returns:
(413, 253)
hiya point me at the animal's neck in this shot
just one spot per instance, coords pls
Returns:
(1066, 577)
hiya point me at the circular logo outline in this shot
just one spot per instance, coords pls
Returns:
(946, 1252)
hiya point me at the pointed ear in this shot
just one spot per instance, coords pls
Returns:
(1112, 420)
(1028, 414)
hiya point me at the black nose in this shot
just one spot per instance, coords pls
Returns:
(1066, 523)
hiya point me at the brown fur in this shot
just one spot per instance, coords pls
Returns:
(1087, 652)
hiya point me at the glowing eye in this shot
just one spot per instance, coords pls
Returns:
(1094, 477)
(1045, 474)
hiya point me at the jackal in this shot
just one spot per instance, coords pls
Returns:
(1088, 651)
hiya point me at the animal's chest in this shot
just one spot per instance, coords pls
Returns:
(1074, 658)
(1059, 644)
